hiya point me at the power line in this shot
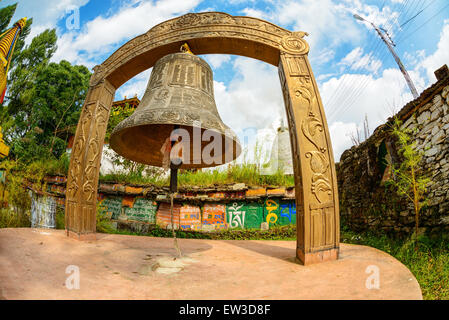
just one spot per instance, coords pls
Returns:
(410, 19)
(354, 90)
(422, 9)
(373, 46)
(426, 22)
(345, 78)
(352, 98)
(350, 88)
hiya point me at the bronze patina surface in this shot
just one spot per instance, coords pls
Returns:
(180, 93)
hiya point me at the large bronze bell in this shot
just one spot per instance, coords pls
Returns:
(179, 95)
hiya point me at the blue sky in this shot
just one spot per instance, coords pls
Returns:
(356, 74)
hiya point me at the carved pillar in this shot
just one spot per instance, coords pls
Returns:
(318, 224)
(84, 170)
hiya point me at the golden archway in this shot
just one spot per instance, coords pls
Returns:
(207, 33)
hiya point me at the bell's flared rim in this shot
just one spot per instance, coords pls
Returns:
(145, 143)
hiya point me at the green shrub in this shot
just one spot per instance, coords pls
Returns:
(275, 233)
(103, 221)
(13, 219)
(60, 218)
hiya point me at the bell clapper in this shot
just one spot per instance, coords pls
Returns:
(173, 190)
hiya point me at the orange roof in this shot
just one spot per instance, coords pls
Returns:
(133, 102)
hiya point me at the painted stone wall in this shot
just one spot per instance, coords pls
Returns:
(208, 216)
(367, 202)
(199, 209)
(214, 217)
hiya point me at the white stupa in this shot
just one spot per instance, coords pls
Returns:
(281, 154)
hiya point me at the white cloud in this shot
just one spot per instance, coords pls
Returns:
(387, 18)
(340, 133)
(247, 102)
(322, 57)
(356, 60)
(377, 96)
(45, 13)
(217, 60)
(104, 33)
(380, 98)
(135, 86)
(251, 12)
(328, 23)
(440, 57)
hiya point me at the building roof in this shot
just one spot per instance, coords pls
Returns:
(133, 102)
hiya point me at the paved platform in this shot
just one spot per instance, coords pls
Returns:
(33, 265)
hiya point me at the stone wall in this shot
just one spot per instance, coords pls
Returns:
(367, 202)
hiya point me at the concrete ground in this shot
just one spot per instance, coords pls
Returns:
(33, 265)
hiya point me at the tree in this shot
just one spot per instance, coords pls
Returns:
(30, 61)
(356, 137)
(408, 178)
(43, 99)
(55, 99)
(6, 15)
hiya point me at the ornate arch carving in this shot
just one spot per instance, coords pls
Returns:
(209, 33)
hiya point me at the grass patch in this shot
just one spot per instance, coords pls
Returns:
(275, 233)
(285, 233)
(249, 174)
(244, 172)
(60, 218)
(13, 219)
(134, 178)
(429, 264)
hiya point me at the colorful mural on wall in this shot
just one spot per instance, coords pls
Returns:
(198, 211)
(236, 214)
(271, 212)
(113, 206)
(288, 213)
(214, 217)
(163, 217)
(210, 216)
(245, 215)
(190, 217)
(143, 210)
